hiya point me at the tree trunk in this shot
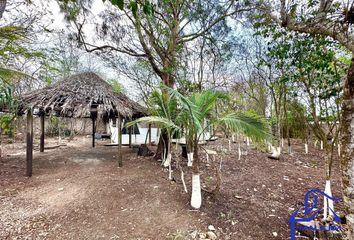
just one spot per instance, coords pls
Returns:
(168, 157)
(162, 147)
(347, 143)
(119, 128)
(328, 203)
(42, 117)
(93, 131)
(2, 7)
(196, 198)
(150, 134)
(29, 146)
(287, 129)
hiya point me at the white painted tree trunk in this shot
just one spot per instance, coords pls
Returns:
(169, 172)
(248, 141)
(338, 149)
(321, 145)
(290, 150)
(282, 143)
(229, 145)
(167, 161)
(239, 151)
(328, 205)
(190, 159)
(207, 157)
(276, 152)
(233, 138)
(196, 198)
(306, 148)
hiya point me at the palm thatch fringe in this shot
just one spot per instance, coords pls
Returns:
(78, 96)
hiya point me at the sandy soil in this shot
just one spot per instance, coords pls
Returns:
(77, 192)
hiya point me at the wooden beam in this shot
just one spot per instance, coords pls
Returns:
(93, 130)
(150, 134)
(29, 146)
(41, 147)
(119, 127)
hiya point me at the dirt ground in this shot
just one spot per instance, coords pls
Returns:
(77, 192)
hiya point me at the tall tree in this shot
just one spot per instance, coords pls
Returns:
(156, 32)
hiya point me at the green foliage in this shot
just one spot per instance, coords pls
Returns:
(134, 5)
(6, 98)
(71, 8)
(186, 86)
(7, 124)
(118, 3)
(297, 120)
(11, 33)
(7, 75)
(310, 68)
(117, 87)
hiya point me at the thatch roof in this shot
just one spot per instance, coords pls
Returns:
(77, 95)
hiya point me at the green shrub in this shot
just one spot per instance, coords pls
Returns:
(7, 125)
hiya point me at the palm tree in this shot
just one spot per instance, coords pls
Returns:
(192, 113)
(199, 109)
(164, 113)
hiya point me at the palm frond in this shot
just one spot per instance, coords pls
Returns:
(163, 123)
(6, 75)
(191, 111)
(249, 124)
(12, 33)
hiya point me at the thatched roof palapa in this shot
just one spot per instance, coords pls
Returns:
(78, 95)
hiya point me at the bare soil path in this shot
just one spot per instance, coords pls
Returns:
(78, 192)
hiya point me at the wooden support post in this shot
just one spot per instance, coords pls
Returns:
(29, 147)
(134, 130)
(41, 147)
(59, 136)
(120, 161)
(93, 131)
(150, 134)
(130, 136)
